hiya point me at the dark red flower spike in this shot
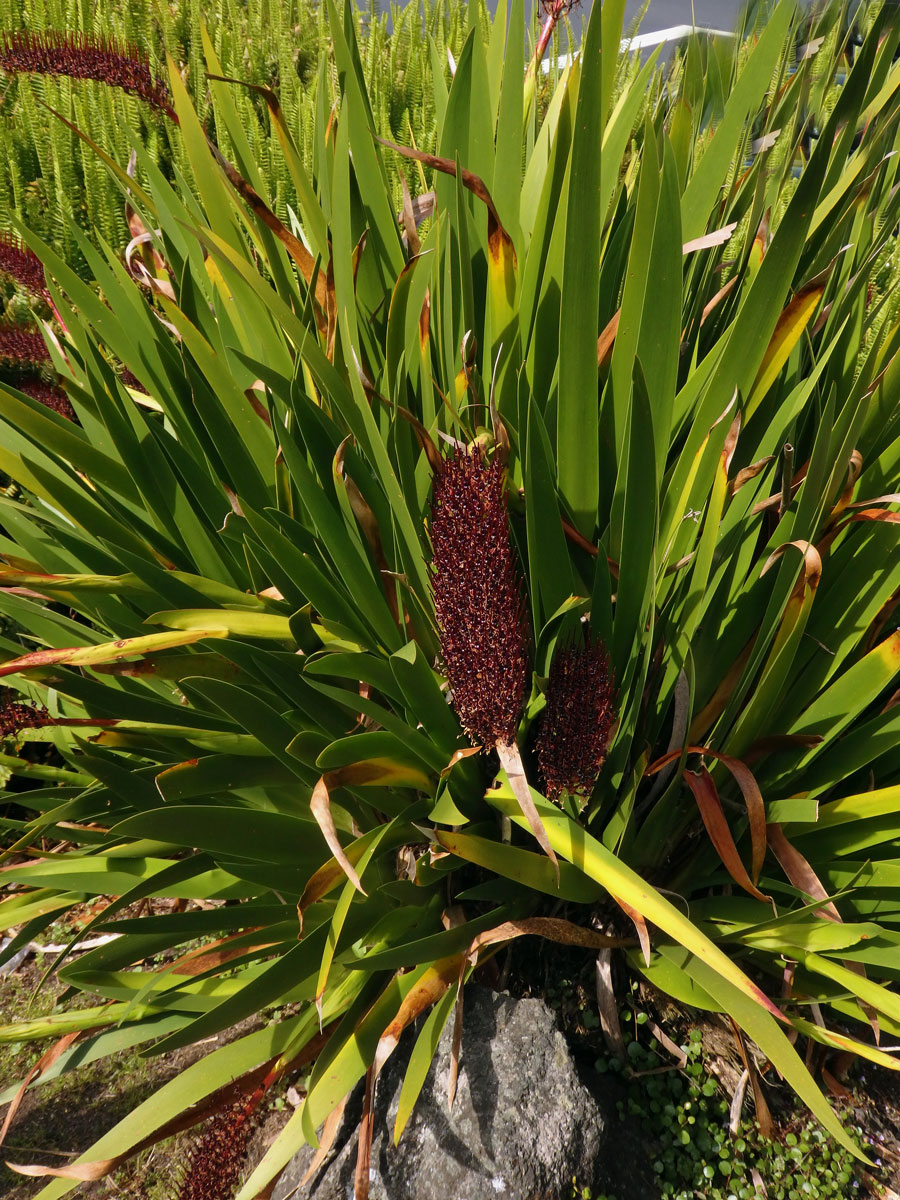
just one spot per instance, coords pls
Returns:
(84, 56)
(22, 346)
(578, 720)
(478, 597)
(217, 1157)
(21, 264)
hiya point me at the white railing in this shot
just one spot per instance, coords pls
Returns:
(645, 41)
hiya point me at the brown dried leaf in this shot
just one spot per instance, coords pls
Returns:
(607, 1007)
(408, 220)
(731, 439)
(812, 561)
(763, 1115)
(873, 514)
(472, 182)
(777, 742)
(364, 1144)
(511, 761)
(713, 304)
(746, 781)
(435, 461)
(554, 929)
(798, 870)
(458, 756)
(759, 1183)
(213, 955)
(640, 925)
(320, 806)
(710, 806)
(756, 809)
(666, 1042)
(607, 340)
(456, 1042)
(737, 1103)
(714, 708)
(837, 1089)
(326, 1140)
(766, 142)
(776, 500)
(43, 1063)
(159, 284)
(305, 262)
(716, 238)
(434, 982)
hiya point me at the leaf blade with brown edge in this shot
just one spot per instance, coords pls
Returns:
(472, 182)
(592, 858)
(791, 324)
(106, 652)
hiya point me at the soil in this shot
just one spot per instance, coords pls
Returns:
(59, 1120)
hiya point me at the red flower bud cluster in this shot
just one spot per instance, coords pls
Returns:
(14, 717)
(48, 395)
(478, 597)
(21, 264)
(131, 381)
(22, 346)
(217, 1157)
(578, 719)
(83, 56)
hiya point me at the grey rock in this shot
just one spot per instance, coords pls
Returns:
(522, 1125)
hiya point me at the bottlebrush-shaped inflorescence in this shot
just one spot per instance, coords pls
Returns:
(48, 395)
(83, 56)
(21, 264)
(217, 1157)
(578, 719)
(22, 346)
(478, 597)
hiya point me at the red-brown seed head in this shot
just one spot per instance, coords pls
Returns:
(21, 264)
(478, 597)
(83, 56)
(22, 346)
(48, 395)
(15, 716)
(578, 719)
(217, 1157)
(131, 381)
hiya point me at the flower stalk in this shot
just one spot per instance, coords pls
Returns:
(554, 11)
(16, 717)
